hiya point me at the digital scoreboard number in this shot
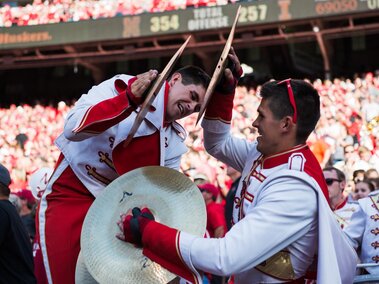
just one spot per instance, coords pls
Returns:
(253, 13)
(335, 6)
(164, 23)
(326, 7)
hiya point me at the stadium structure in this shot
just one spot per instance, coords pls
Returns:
(278, 38)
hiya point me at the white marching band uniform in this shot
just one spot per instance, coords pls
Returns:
(281, 220)
(93, 155)
(363, 231)
(280, 213)
(87, 153)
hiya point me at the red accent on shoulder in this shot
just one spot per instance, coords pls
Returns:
(311, 166)
(281, 158)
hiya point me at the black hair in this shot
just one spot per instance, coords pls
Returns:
(340, 174)
(370, 185)
(307, 103)
(194, 75)
(356, 174)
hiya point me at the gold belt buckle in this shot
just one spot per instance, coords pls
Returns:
(279, 266)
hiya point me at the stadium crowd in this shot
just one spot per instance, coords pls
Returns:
(346, 138)
(57, 11)
(347, 135)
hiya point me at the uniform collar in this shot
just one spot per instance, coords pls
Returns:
(342, 204)
(167, 89)
(158, 107)
(282, 157)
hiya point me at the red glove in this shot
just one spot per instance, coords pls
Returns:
(135, 224)
(226, 86)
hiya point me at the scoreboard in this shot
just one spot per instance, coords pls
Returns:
(190, 20)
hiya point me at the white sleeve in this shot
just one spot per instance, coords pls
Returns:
(220, 144)
(356, 228)
(285, 212)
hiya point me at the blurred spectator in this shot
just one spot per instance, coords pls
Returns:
(21, 139)
(363, 162)
(16, 259)
(42, 125)
(347, 164)
(371, 173)
(27, 211)
(362, 189)
(358, 175)
(370, 108)
(363, 231)
(216, 225)
(342, 208)
(48, 12)
(341, 107)
(354, 127)
(375, 183)
(320, 149)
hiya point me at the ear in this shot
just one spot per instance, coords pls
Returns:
(287, 123)
(342, 185)
(174, 78)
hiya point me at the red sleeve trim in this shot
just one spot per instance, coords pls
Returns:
(220, 107)
(161, 245)
(107, 113)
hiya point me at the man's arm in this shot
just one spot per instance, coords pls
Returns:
(217, 120)
(266, 229)
(106, 105)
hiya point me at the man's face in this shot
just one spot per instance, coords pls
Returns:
(334, 185)
(183, 100)
(269, 139)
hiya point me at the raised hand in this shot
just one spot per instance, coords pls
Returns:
(232, 73)
(142, 83)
